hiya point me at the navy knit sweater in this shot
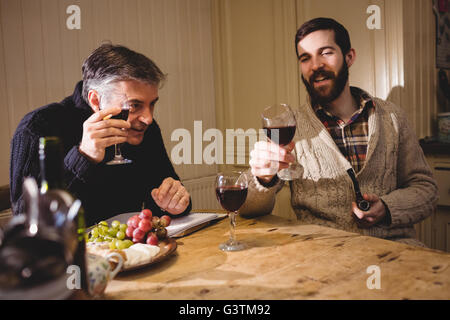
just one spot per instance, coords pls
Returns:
(104, 190)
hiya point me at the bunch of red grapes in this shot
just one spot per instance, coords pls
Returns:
(144, 228)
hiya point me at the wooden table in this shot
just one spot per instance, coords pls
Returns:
(286, 260)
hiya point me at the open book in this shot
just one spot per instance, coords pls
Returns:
(194, 221)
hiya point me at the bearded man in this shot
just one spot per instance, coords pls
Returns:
(345, 140)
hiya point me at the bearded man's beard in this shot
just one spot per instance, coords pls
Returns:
(319, 96)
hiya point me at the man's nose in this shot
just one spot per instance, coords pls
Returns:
(146, 116)
(317, 63)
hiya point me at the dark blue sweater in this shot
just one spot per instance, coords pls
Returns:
(104, 190)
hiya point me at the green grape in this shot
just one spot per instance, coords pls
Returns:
(120, 235)
(94, 232)
(112, 245)
(112, 232)
(115, 234)
(120, 245)
(108, 238)
(103, 230)
(115, 224)
(128, 243)
(103, 223)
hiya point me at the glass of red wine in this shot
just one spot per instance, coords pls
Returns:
(123, 115)
(279, 125)
(231, 191)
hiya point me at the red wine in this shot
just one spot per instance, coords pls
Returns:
(231, 198)
(280, 135)
(123, 115)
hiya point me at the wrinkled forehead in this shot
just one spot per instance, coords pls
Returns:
(136, 90)
(316, 40)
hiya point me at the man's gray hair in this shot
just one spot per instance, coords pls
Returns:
(109, 64)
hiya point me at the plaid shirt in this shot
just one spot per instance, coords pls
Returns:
(351, 137)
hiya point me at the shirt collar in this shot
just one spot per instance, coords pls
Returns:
(364, 100)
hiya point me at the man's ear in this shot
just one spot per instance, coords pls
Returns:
(350, 57)
(94, 100)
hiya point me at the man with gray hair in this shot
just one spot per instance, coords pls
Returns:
(112, 75)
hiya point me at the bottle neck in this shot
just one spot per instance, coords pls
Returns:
(51, 164)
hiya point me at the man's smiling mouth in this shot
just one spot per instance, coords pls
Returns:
(319, 79)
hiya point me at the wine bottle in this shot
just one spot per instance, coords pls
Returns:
(66, 214)
(51, 169)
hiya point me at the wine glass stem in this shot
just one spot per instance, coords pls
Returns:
(232, 216)
(117, 152)
(294, 153)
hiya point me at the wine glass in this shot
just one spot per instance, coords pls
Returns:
(231, 191)
(279, 124)
(123, 115)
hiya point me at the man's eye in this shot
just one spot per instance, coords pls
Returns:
(133, 107)
(327, 52)
(304, 59)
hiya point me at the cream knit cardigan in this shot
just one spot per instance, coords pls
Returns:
(395, 170)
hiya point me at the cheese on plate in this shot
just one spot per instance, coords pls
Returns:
(136, 255)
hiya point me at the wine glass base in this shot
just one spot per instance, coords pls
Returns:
(118, 161)
(232, 246)
(291, 173)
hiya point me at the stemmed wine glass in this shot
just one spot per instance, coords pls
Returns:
(279, 124)
(123, 115)
(231, 191)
